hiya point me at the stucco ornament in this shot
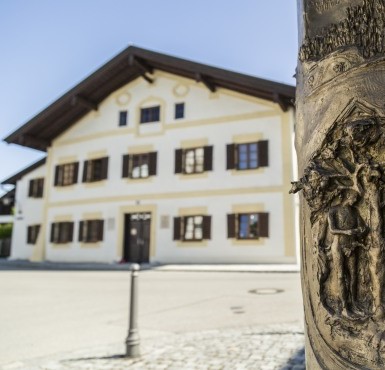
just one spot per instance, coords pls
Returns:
(340, 141)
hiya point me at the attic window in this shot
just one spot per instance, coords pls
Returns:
(150, 114)
(179, 110)
(123, 118)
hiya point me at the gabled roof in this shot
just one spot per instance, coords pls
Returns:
(9, 194)
(131, 63)
(13, 179)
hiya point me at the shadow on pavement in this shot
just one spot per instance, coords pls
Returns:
(296, 362)
(15, 265)
(112, 357)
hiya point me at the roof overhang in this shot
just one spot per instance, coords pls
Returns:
(130, 64)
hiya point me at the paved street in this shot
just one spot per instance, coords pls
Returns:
(187, 320)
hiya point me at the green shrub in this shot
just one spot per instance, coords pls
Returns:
(5, 231)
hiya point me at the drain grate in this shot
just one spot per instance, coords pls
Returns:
(266, 291)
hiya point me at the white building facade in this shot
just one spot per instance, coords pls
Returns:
(169, 167)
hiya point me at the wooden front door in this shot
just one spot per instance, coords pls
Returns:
(137, 228)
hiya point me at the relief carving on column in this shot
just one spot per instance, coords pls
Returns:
(340, 142)
(344, 187)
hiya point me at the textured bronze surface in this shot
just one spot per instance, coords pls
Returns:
(321, 14)
(340, 141)
(332, 25)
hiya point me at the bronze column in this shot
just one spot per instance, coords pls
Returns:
(340, 142)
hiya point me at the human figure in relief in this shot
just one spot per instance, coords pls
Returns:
(347, 228)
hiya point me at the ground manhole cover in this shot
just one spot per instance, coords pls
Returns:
(266, 291)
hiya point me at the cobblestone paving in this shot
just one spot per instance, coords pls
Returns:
(270, 348)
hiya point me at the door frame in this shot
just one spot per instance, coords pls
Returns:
(130, 248)
(146, 208)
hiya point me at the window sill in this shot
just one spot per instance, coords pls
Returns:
(139, 179)
(192, 244)
(248, 242)
(94, 184)
(255, 171)
(61, 245)
(90, 244)
(189, 176)
(242, 239)
(149, 122)
(64, 187)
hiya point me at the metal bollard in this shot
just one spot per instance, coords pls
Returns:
(132, 341)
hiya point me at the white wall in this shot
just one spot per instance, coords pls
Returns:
(214, 119)
(218, 249)
(28, 211)
(116, 141)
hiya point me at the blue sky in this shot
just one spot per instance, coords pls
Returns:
(48, 46)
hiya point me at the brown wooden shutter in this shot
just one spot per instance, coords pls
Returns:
(263, 153)
(177, 228)
(104, 168)
(126, 161)
(206, 227)
(231, 229)
(56, 181)
(263, 224)
(75, 174)
(178, 160)
(85, 166)
(70, 236)
(152, 163)
(81, 226)
(30, 191)
(40, 188)
(29, 234)
(208, 158)
(100, 229)
(52, 232)
(230, 148)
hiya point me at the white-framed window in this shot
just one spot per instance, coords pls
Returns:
(36, 187)
(137, 166)
(192, 228)
(91, 231)
(246, 226)
(32, 233)
(248, 156)
(95, 169)
(66, 174)
(150, 114)
(194, 160)
(62, 232)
